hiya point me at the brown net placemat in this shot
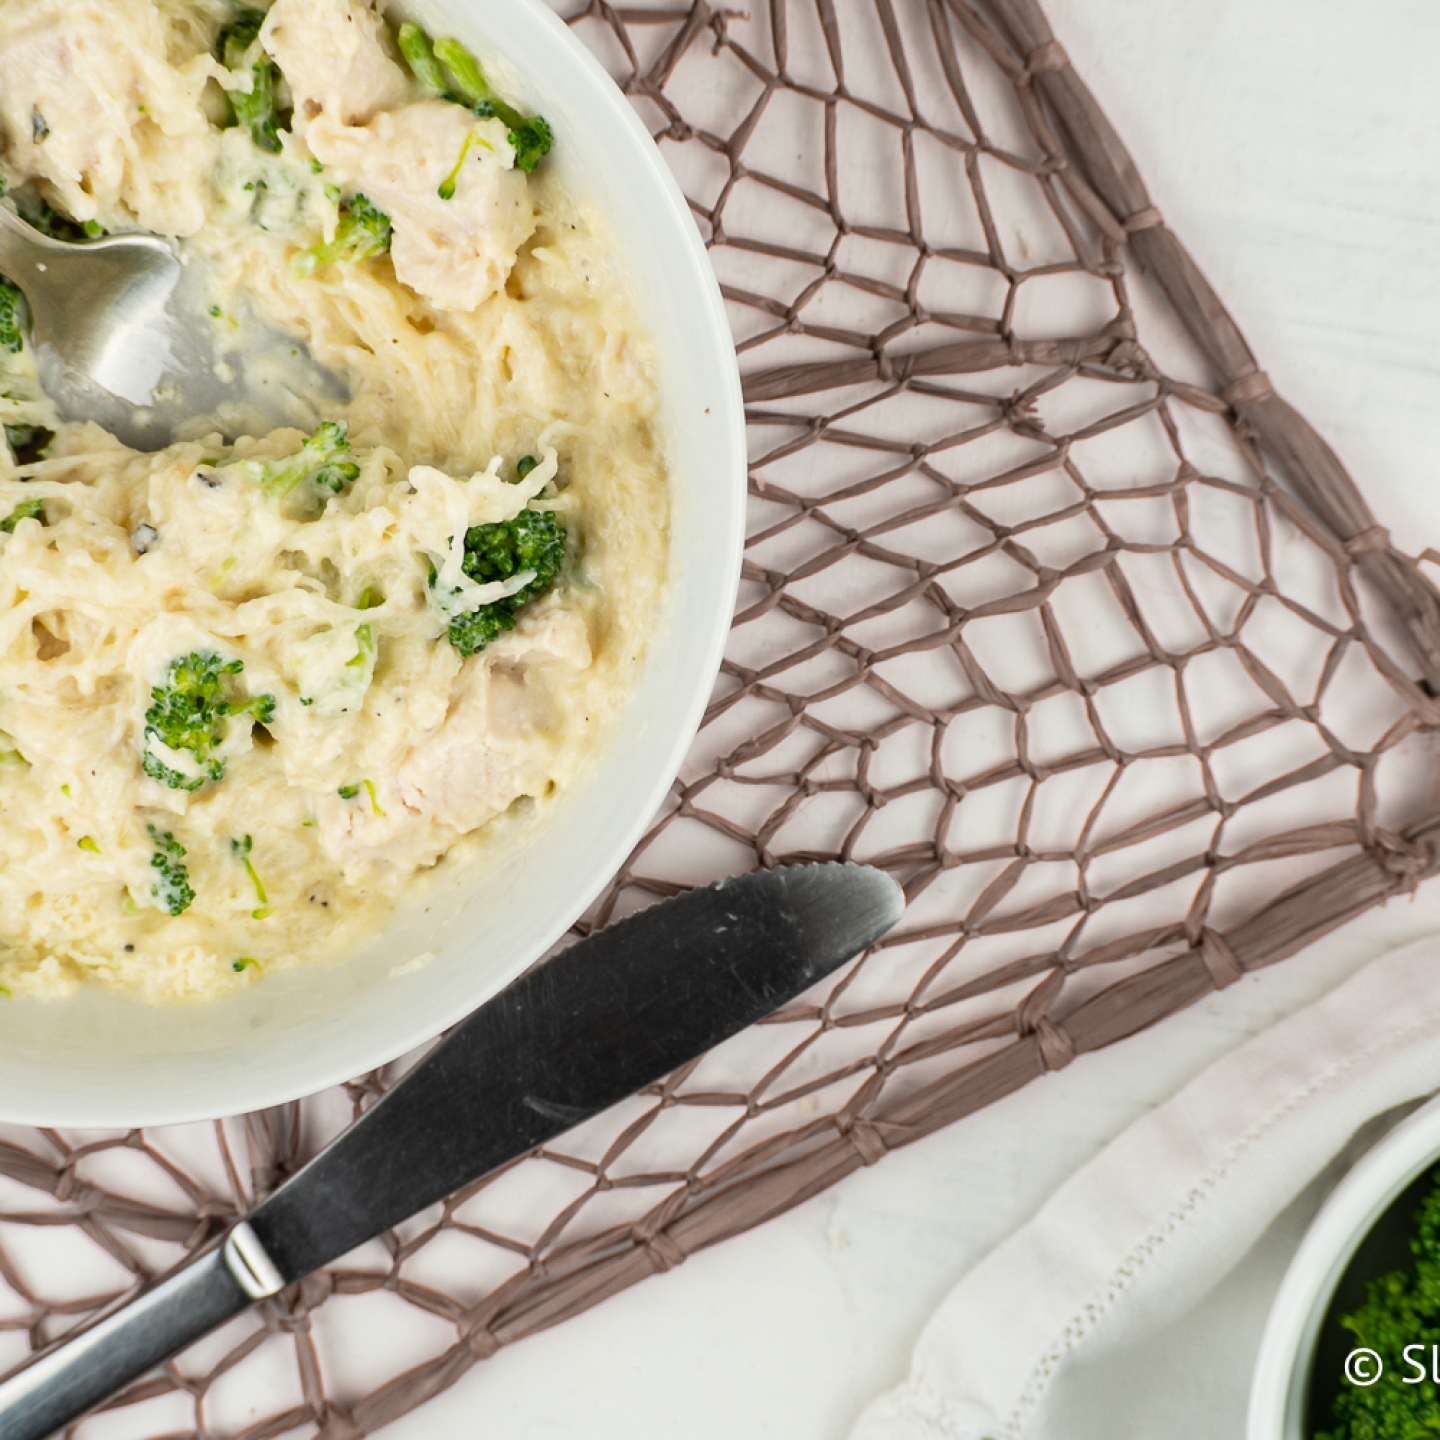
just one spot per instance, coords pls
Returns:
(1052, 607)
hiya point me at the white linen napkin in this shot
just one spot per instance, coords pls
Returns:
(1110, 1313)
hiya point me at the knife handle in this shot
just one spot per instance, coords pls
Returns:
(88, 1366)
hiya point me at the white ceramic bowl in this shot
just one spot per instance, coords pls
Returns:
(1281, 1378)
(97, 1059)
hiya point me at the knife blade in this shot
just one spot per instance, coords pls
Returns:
(610, 1015)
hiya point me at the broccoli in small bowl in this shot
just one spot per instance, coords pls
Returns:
(1351, 1350)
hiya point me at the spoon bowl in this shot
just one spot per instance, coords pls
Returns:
(123, 336)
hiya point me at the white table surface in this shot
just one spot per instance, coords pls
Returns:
(1293, 144)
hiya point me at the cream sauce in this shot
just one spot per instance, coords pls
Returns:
(500, 325)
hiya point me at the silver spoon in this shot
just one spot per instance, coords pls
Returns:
(124, 336)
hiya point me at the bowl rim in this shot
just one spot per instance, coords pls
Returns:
(1281, 1374)
(704, 644)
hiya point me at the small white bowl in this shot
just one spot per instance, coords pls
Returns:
(101, 1060)
(1281, 1379)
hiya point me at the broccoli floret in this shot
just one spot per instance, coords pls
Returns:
(364, 230)
(533, 540)
(172, 884)
(239, 35)
(319, 459)
(44, 218)
(446, 68)
(188, 713)
(27, 442)
(240, 49)
(40, 215)
(1401, 1308)
(12, 318)
(33, 509)
(471, 633)
(335, 479)
(529, 134)
(532, 140)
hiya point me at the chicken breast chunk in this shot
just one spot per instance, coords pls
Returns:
(333, 54)
(456, 252)
(351, 106)
(91, 105)
(489, 752)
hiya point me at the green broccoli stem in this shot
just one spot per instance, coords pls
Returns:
(32, 509)
(241, 850)
(528, 134)
(469, 78)
(366, 648)
(474, 88)
(415, 47)
(448, 184)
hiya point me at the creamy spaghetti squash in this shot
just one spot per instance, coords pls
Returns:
(253, 688)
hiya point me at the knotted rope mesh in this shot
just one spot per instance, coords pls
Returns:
(1052, 608)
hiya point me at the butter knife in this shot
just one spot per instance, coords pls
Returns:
(570, 1038)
